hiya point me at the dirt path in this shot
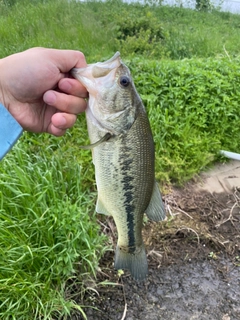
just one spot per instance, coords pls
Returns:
(190, 290)
(194, 259)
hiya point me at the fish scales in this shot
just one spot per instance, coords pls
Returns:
(128, 163)
(124, 164)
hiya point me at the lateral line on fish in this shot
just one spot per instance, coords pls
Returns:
(97, 143)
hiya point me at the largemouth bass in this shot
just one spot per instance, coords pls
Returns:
(123, 155)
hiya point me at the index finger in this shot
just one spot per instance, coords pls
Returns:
(65, 60)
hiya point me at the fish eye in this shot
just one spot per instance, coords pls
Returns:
(124, 81)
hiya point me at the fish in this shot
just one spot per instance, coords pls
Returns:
(124, 158)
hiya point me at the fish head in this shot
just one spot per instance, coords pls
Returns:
(113, 99)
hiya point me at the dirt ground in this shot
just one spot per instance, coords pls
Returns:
(193, 256)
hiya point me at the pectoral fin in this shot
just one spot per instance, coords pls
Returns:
(95, 144)
(155, 210)
(100, 208)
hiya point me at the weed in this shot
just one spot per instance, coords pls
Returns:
(213, 255)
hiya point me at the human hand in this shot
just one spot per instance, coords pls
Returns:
(36, 89)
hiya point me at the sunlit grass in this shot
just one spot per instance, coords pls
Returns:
(58, 24)
(48, 234)
(199, 34)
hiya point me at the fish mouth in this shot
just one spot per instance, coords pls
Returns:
(110, 63)
(89, 75)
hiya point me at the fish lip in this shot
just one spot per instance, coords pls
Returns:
(113, 58)
(110, 64)
(92, 74)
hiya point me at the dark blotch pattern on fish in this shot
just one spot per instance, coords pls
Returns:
(125, 167)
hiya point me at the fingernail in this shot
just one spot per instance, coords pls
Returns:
(66, 86)
(61, 121)
(50, 97)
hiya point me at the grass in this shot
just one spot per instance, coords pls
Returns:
(186, 67)
(48, 233)
(199, 34)
(168, 32)
(62, 25)
(98, 29)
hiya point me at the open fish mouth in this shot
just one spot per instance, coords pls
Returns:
(110, 64)
(91, 75)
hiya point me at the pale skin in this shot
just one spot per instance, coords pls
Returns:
(36, 88)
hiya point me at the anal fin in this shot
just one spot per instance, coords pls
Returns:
(100, 208)
(156, 210)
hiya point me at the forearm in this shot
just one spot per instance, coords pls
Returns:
(10, 131)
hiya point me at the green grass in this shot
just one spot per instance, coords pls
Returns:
(165, 32)
(53, 24)
(199, 34)
(49, 233)
(98, 29)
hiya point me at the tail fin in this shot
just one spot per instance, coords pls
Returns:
(136, 263)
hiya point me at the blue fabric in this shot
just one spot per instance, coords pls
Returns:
(10, 131)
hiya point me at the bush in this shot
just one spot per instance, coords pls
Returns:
(136, 29)
(140, 33)
(203, 5)
(193, 107)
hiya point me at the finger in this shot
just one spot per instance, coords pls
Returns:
(73, 87)
(55, 131)
(60, 122)
(64, 102)
(63, 120)
(68, 59)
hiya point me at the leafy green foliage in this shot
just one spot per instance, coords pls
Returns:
(170, 32)
(203, 5)
(100, 28)
(193, 107)
(139, 32)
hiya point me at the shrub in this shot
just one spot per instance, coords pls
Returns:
(193, 107)
(136, 29)
(140, 33)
